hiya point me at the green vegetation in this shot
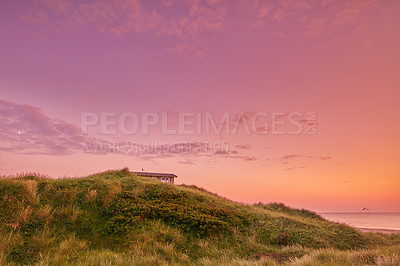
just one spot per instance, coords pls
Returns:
(117, 218)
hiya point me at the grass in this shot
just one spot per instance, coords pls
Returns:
(117, 218)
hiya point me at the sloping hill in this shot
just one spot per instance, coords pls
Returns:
(116, 217)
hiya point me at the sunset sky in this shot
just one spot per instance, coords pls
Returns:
(339, 61)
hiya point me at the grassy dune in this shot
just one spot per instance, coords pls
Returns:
(117, 218)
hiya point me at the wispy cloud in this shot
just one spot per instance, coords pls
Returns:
(25, 129)
(125, 17)
(243, 146)
(115, 17)
(234, 155)
(184, 152)
(296, 161)
(194, 24)
(294, 167)
(290, 156)
(315, 26)
(190, 28)
(250, 158)
(352, 13)
(298, 156)
(190, 162)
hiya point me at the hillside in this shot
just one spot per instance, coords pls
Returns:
(117, 218)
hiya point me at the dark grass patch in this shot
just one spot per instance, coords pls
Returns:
(278, 257)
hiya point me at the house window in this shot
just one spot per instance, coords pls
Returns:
(165, 179)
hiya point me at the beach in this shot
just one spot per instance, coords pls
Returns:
(385, 223)
(377, 230)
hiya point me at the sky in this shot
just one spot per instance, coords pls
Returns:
(256, 100)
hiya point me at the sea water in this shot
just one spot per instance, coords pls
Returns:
(370, 220)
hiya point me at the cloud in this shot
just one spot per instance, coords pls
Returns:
(233, 155)
(192, 25)
(325, 158)
(34, 16)
(191, 28)
(187, 162)
(315, 26)
(250, 158)
(154, 149)
(266, 11)
(293, 168)
(114, 17)
(292, 161)
(351, 13)
(25, 129)
(243, 146)
(291, 156)
(57, 6)
(221, 152)
(242, 122)
(150, 151)
(298, 156)
(191, 20)
(279, 14)
(168, 2)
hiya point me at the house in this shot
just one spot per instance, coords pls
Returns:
(165, 178)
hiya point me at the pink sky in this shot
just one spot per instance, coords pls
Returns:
(337, 59)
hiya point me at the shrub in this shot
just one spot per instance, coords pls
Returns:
(128, 210)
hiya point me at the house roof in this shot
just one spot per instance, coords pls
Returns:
(155, 174)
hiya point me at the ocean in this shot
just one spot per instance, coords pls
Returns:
(370, 220)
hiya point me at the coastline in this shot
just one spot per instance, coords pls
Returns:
(378, 230)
